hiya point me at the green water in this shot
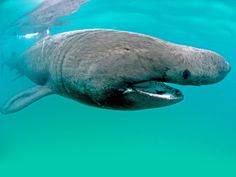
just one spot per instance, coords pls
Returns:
(59, 137)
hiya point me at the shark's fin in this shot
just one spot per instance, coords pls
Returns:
(25, 98)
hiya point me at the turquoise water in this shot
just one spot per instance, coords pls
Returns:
(59, 137)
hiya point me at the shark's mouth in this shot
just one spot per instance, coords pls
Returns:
(158, 89)
(152, 94)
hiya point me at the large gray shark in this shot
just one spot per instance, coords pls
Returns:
(113, 69)
(46, 15)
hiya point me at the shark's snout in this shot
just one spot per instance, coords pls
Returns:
(205, 67)
(192, 66)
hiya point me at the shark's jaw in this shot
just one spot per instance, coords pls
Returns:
(157, 90)
(142, 95)
(153, 94)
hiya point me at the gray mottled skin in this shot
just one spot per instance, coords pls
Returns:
(103, 67)
(46, 15)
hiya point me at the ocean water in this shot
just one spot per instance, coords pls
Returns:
(59, 137)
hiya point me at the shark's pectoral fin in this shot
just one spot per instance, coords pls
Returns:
(25, 98)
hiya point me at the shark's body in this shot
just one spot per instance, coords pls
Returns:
(114, 69)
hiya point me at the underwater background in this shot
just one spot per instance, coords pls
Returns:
(59, 137)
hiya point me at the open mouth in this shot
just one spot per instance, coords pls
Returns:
(156, 89)
(151, 94)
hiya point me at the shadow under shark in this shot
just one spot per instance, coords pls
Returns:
(113, 69)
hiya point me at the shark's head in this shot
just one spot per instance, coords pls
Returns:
(132, 72)
(197, 67)
(202, 68)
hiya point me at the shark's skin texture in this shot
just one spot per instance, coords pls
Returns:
(46, 15)
(114, 69)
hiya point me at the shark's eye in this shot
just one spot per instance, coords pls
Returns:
(186, 74)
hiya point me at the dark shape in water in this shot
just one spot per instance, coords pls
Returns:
(46, 15)
(95, 67)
